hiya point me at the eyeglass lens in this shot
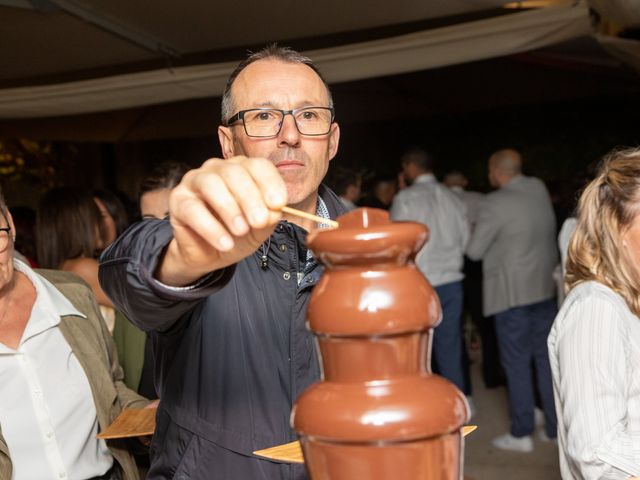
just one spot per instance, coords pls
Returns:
(267, 123)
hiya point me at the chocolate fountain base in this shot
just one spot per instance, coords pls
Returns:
(429, 459)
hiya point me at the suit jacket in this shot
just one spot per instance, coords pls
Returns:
(514, 236)
(92, 345)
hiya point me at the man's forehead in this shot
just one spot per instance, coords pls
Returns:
(271, 82)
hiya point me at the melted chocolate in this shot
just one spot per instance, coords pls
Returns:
(379, 412)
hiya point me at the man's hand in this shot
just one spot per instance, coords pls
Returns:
(220, 213)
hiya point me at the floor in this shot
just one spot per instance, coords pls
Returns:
(482, 461)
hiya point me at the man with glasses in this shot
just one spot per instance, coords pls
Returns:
(223, 285)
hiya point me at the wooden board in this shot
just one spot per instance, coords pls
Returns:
(132, 422)
(292, 453)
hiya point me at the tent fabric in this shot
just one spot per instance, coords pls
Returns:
(625, 13)
(477, 40)
(628, 51)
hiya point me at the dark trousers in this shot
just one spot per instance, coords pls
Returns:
(447, 337)
(522, 336)
(492, 374)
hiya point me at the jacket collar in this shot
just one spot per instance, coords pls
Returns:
(516, 179)
(48, 296)
(332, 202)
(425, 178)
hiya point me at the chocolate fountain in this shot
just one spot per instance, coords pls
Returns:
(379, 412)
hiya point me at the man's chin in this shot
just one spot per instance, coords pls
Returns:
(297, 196)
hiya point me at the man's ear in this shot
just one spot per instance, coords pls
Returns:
(225, 137)
(334, 139)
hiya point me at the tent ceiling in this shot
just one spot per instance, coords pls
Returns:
(45, 44)
(571, 71)
(434, 47)
(44, 38)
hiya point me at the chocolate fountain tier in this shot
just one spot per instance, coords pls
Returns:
(373, 298)
(366, 236)
(400, 410)
(379, 413)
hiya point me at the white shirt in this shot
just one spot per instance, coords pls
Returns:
(47, 413)
(594, 349)
(433, 204)
(471, 200)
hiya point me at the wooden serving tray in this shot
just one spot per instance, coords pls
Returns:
(292, 453)
(132, 422)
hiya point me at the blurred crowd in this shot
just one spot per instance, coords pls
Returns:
(498, 261)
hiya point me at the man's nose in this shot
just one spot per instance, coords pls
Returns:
(289, 133)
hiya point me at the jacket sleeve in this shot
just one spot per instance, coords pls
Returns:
(399, 210)
(462, 221)
(484, 232)
(126, 275)
(6, 468)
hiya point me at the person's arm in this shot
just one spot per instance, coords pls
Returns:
(592, 388)
(399, 208)
(6, 468)
(484, 232)
(126, 397)
(219, 214)
(463, 226)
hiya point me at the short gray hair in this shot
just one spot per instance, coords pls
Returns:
(272, 52)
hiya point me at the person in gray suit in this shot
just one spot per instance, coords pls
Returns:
(428, 202)
(515, 238)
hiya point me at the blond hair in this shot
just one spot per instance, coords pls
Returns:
(607, 207)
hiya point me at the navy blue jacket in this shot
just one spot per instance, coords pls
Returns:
(232, 354)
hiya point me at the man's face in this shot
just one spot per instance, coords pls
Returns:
(356, 190)
(155, 203)
(301, 160)
(386, 191)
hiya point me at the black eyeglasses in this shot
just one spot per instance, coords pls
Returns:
(4, 238)
(267, 122)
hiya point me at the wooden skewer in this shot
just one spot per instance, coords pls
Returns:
(309, 216)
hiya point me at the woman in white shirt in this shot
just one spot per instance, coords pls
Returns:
(594, 345)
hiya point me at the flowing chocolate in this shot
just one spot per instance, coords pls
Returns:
(379, 412)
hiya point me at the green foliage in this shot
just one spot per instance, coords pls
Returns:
(34, 162)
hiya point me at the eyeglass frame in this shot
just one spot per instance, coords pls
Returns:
(240, 116)
(8, 230)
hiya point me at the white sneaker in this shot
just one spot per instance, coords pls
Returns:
(515, 444)
(543, 437)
